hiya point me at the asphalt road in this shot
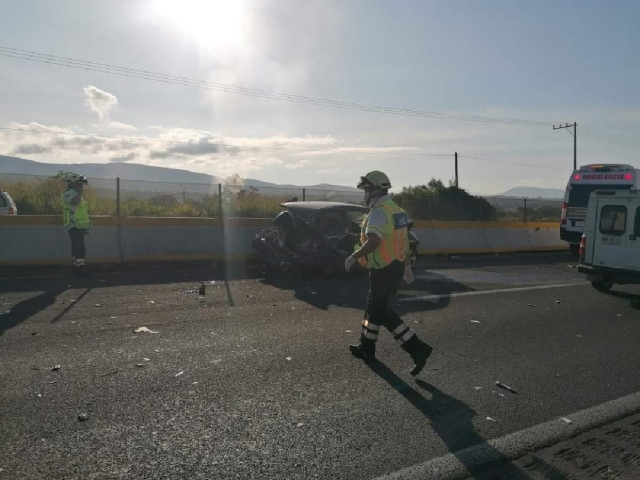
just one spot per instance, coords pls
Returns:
(255, 380)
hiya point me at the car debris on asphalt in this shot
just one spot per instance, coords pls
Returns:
(83, 417)
(144, 330)
(506, 387)
(55, 368)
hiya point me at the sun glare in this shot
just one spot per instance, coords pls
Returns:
(210, 23)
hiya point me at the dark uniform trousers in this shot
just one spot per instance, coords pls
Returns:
(383, 287)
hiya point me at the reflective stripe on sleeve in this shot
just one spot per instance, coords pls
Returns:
(370, 326)
(371, 335)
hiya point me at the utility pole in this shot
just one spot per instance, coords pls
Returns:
(575, 140)
(457, 184)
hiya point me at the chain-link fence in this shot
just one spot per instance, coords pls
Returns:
(41, 195)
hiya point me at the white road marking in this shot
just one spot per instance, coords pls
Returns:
(491, 292)
(515, 445)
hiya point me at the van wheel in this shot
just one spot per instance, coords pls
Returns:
(602, 285)
(574, 248)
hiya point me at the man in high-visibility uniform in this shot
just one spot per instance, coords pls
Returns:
(385, 253)
(76, 219)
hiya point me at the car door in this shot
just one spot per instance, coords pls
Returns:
(633, 256)
(614, 222)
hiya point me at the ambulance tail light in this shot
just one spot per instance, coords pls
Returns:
(563, 214)
(583, 247)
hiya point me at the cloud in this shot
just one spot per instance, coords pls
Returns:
(356, 150)
(99, 101)
(124, 158)
(532, 182)
(31, 149)
(121, 126)
(300, 164)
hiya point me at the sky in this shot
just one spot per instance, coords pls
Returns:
(551, 62)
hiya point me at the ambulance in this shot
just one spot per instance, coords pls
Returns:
(582, 183)
(610, 245)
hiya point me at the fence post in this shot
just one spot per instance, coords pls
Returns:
(480, 204)
(118, 197)
(304, 194)
(525, 210)
(220, 200)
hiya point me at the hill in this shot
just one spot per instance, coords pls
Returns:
(534, 192)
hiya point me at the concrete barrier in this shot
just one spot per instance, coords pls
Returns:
(42, 240)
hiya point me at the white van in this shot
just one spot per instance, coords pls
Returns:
(7, 205)
(610, 245)
(582, 182)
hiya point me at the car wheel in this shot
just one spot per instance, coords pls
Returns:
(413, 257)
(602, 285)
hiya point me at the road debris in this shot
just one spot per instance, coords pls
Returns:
(618, 314)
(477, 388)
(144, 330)
(566, 420)
(83, 417)
(475, 321)
(147, 359)
(140, 365)
(52, 382)
(202, 289)
(558, 301)
(33, 334)
(98, 305)
(179, 373)
(348, 331)
(300, 425)
(39, 395)
(530, 305)
(490, 419)
(506, 387)
(55, 368)
(288, 359)
(151, 302)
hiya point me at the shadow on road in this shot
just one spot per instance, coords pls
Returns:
(451, 419)
(634, 299)
(24, 310)
(351, 290)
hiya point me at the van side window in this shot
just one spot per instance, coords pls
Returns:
(3, 202)
(636, 230)
(613, 220)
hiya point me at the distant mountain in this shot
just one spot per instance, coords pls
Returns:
(534, 192)
(137, 172)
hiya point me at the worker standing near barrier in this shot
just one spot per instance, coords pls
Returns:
(385, 253)
(76, 219)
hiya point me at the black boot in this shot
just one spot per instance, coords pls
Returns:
(419, 352)
(365, 349)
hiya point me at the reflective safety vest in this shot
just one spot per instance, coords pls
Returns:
(76, 215)
(395, 239)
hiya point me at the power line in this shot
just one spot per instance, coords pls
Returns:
(514, 163)
(605, 137)
(218, 144)
(252, 92)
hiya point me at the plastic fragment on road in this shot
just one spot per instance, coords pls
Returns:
(558, 301)
(506, 387)
(490, 419)
(151, 301)
(55, 368)
(83, 417)
(566, 420)
(475, 321)
(39, 395)
(179, 373)
(144, 330)
(477, 388)
(139, 365)
(300, 425)
(98, 305)
(147, 359)
(530, 305)
(288, 359)
(618, 314)
(348, 331)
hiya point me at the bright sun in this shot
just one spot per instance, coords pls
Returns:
(210, 23)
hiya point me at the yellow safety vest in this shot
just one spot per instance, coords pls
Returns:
(395, 239)
(76, 214)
